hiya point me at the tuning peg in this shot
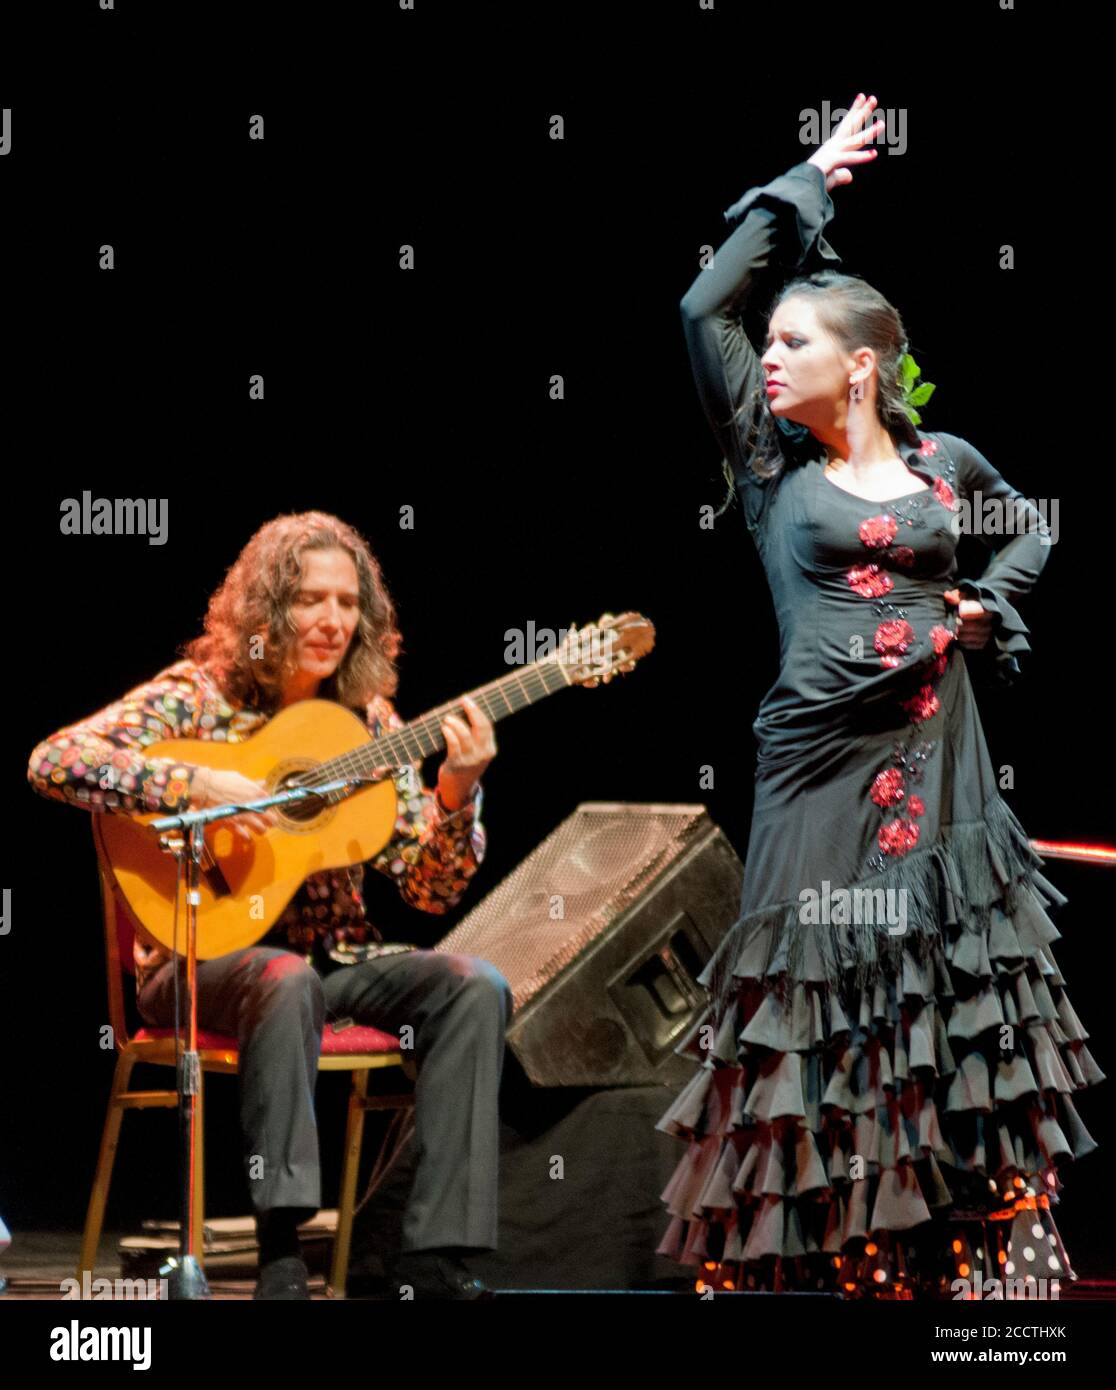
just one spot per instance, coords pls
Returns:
(593, 682)
(607, 678)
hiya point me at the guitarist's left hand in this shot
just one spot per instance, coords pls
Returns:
(470, 747)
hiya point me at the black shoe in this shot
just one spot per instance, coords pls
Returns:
(436, 1274)
(283, 1278)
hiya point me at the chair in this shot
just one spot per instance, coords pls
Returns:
(358, 1050)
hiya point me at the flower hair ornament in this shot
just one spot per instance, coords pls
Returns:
(913, 396)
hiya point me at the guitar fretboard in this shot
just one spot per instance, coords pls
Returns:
(423, 736)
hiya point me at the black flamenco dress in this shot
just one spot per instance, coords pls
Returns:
(886, 1080)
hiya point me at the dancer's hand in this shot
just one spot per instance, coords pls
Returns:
(844, 146)
(974, 622)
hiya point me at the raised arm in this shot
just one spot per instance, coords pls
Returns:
(776, 228)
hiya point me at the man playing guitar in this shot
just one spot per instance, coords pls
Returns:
(304, 614)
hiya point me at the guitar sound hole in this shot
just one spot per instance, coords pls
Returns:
(309, 809)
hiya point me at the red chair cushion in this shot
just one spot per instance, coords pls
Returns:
(357, 1039)
(348, 1041)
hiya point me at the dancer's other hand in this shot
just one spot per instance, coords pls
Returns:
(974, 622)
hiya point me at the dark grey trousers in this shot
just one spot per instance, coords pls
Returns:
(276, 1005)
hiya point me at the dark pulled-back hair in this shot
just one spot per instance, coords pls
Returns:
(255, 601)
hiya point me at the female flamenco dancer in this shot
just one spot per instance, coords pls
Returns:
(884, 1094)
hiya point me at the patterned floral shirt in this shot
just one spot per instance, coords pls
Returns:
(100, 763)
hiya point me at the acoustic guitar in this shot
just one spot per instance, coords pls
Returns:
(247, 882)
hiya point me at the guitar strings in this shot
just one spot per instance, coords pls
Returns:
(540, 678)
(529, 685)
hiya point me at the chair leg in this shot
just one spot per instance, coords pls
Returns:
(354, 1136)
(102, 1178)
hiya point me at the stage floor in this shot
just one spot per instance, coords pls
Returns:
(38, 1261)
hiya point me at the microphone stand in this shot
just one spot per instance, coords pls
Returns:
(184, 1274)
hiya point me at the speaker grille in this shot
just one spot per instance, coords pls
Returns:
(568, 890)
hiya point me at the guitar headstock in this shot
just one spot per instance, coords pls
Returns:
(610, 646)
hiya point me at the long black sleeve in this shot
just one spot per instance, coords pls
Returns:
(778, 225)
(1021, 549)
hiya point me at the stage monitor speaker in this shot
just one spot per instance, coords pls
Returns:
(602, 933)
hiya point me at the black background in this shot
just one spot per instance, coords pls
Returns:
(430, 388)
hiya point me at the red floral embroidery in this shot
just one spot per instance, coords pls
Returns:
(898, 836)
(869, 581)
(887, 788)
(923, 705)
(943, 492)
(941, 637)
(877, 532)
(892, 640)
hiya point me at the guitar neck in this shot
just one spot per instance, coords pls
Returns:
(423, 736)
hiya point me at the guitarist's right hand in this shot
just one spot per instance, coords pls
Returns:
(212, 787)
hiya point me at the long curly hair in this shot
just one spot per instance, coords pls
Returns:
(856, 315)
(254, 601)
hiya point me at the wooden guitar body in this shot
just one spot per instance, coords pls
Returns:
(247, 882)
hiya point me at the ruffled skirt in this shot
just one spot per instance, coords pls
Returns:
(884, 1113)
